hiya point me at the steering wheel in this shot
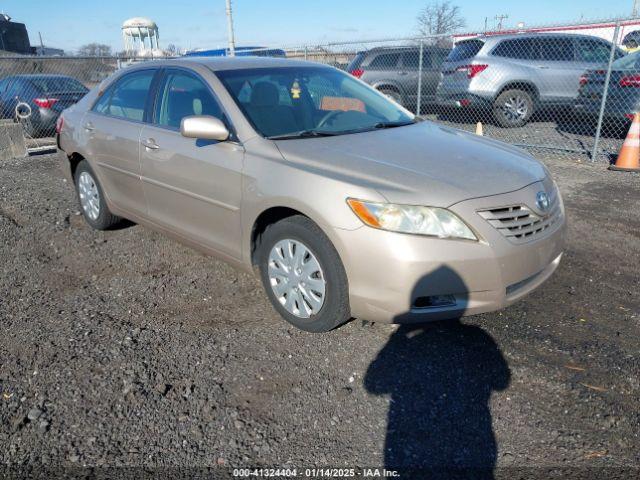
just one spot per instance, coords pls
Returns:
(328, 116)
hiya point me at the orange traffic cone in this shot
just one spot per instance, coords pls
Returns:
(629, 157)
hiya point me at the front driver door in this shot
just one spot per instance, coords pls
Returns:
(192, 186)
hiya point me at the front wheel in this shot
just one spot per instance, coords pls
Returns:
(303, 275)
(91, 198)
(513, 108)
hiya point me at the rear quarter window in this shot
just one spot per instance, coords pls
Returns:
(356, 62)
(465, 50)
(384, 61)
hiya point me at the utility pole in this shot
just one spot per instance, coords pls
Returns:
(634, 12)
(232, 42)
(499, 19)
(41, 43)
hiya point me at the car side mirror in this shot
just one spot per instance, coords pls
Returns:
(204, 127)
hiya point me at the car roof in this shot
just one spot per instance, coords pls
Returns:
(403, 48)
(514, 36)
(231, 63)
(28, 76)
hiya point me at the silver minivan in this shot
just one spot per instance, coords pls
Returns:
(512, 76)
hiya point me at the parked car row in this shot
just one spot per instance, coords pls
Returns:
(510, 76)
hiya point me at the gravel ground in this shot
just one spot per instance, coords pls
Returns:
(125, 349)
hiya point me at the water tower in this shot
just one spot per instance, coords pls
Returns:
(141, 37)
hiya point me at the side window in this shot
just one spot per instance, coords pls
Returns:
(521, 49)
(182, 95)
(385, 61)
(556, 49)
(438, 57)
(593, 51)
(102, 105)
(127, 97)
(411, 59)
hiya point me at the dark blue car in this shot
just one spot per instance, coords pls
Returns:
(240, 52)
(38, 100)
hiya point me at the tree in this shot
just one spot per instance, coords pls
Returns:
(94, 50)
(439, 18)
(173, 50)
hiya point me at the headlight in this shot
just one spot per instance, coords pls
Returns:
(433, 221)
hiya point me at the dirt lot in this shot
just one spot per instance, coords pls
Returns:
(125, 349)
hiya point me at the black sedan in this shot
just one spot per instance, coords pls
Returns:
(36, 101)
(623, 98)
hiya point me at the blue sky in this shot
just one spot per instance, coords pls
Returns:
(69, 24)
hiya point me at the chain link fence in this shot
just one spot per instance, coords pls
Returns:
(570, 91)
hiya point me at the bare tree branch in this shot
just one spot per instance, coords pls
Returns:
(440, 17)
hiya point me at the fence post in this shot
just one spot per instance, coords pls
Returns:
(305, 52)
(419, 98)
(605, 92)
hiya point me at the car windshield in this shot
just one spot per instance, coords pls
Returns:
(294, 102)
(628, 62)
(57, 84)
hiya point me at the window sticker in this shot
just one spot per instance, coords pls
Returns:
(342, 103)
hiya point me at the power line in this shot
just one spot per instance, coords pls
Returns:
(499, 19)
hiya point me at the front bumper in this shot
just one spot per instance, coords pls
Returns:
(390, 274)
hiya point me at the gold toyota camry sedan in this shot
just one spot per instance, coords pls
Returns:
(345, 203)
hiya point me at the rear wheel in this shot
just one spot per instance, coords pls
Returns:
(513, 108)
(91, 197)
(303, 275)
(392, 94)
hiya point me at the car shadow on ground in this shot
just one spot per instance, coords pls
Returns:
(440, 377)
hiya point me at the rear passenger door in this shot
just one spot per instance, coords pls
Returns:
(112, 132)
(559, 71)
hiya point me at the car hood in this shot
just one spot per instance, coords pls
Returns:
(421, 164)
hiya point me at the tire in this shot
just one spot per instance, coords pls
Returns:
(303, 235)
(87, 186)
(513, 108)
(393, 95)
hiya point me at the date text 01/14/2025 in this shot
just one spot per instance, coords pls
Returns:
(315, 473)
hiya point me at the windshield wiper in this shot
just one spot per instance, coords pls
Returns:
(303, 134)
(380, 125)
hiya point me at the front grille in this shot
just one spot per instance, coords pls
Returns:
(519, 223)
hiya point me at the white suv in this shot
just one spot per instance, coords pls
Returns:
(511, 76)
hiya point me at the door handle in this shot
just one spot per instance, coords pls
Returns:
(151, 144)
(89, 127)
